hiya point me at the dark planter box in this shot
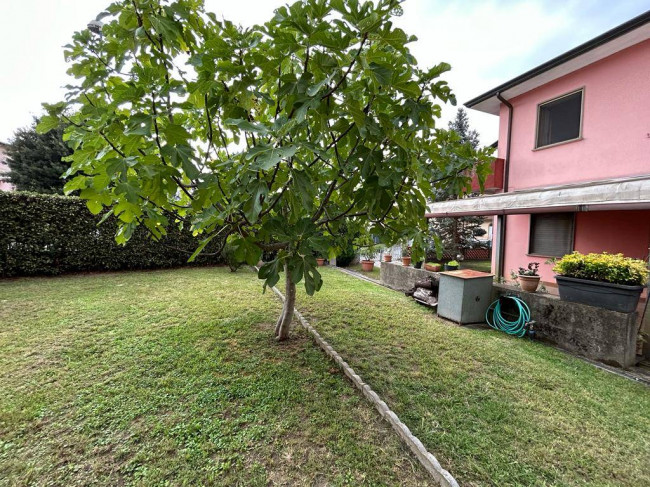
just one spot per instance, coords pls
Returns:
(616, 297)
(448, 267)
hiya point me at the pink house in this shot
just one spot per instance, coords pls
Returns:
(4, 169)
(573, 167)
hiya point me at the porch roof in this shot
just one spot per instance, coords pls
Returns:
(632, 193)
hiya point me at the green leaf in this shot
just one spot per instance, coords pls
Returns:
(246, 126)
(313, 280)
(370, 23)
(94, 207)
(139, 124)
(175, 134)
(253, 204)
(380, 73)
(267, 156)
(166, 27)
(201, 246)
(47, 123)
(270, 272)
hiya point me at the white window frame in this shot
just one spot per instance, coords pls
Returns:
(582, 113)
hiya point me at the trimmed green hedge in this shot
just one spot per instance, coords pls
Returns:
(48, 235)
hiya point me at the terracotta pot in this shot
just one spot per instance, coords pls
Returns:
(528, 283)
(388, 258)
(433, 268)
(406, 261)
(367, 265)
(321, 261)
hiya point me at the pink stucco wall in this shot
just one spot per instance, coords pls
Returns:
(615, 143)
(615, 129)
(627, 232)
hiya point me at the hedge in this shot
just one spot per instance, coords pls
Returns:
(48, 235)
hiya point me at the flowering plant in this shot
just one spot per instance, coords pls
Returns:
(532, 270)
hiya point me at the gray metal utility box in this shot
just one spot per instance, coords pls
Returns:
(464, 295)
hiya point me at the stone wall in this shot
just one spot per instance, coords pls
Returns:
(595, 333)
(401, 278)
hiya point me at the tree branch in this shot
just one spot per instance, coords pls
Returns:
(354, 60)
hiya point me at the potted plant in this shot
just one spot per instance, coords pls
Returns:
(610, 281)
(406, 256)
(452, 265)
(369, 250)
(321, 261)
(432, 266)
(528, 277)
(388, 257)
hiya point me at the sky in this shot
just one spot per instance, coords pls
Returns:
(486, 42)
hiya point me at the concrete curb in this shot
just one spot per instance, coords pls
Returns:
(428, 461)
(359, 276)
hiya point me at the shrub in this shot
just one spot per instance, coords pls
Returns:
(345, 258)
(613, 268)
(49, 235)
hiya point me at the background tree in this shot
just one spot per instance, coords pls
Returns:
(460, 125)
(36, 160)
(275, 135)
(458, 234)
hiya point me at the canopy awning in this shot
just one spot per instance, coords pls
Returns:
(614, 194)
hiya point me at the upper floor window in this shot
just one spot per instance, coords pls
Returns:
(560, 119)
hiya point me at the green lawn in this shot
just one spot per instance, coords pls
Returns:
(375, 273)
(495, 410)
(173, 378)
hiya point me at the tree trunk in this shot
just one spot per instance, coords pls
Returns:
(284, 322)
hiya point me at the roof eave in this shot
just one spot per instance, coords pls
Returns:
(600, 40)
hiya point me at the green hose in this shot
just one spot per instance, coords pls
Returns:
(517, 327)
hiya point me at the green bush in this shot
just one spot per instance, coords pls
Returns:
(49, 235)
(613, 268)
(345, 258)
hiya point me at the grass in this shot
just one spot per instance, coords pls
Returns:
(375, 273)
(477, 265)
(495, 410)
(173, 378)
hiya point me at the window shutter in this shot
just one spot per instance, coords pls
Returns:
(551, 234)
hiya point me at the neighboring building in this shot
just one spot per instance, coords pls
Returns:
(4, 169)
(573, 167)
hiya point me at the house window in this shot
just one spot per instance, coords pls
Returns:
(559, 120)
(551, 234)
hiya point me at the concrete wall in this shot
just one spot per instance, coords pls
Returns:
(396, 276)
(595, 333)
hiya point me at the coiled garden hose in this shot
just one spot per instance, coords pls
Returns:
(498, 322)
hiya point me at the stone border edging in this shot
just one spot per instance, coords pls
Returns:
(359, 276)
(428, 461)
